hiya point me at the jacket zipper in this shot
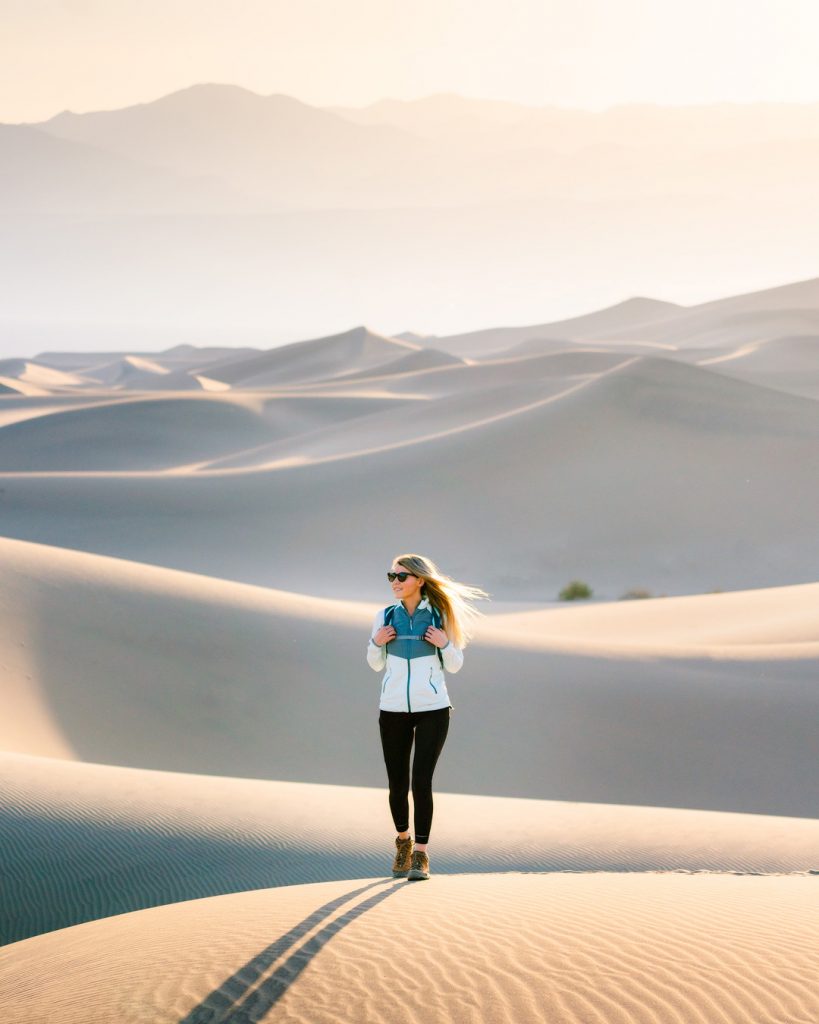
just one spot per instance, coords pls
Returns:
(430, 680)
(409, 670)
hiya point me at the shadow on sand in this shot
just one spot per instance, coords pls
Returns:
(234, 1002)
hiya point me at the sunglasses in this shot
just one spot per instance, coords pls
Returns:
(400, 576)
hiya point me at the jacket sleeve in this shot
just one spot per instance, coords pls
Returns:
(453, 657)
(376, 656)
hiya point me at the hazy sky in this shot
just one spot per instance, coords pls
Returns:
(98, 54)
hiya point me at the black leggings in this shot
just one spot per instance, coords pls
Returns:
(397, 728)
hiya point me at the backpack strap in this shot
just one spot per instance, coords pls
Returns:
(387, 615)
(437, 622)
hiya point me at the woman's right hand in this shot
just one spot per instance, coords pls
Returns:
(384, 635)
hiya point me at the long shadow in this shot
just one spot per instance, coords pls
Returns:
(233, 1003)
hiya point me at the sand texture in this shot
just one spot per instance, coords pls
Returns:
(507, 947)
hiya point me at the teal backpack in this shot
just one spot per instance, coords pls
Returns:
(437, 622)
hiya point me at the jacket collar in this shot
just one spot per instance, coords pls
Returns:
(423, 603)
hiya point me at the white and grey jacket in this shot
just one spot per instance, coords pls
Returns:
(414, 679)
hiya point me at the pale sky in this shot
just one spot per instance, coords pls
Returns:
(103, 54)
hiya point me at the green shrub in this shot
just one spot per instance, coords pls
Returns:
(575, 590)
(636, 593)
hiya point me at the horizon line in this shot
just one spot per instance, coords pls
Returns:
(446, 94)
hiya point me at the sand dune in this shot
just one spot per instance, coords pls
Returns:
(655, 474)
(538, 346)
(139, 374)
(767, 313)
(196, 359)
(787, 364)
(459, 379)
(751, 317)
(422, 422)
(639, 948)
(39, 378)
(27, 407)
(423, 359)
(171, 432)
(136, 665)
(12, 386)
(84, 841)
(724, 328)
(628, 314)
(777, 621)
(302, 361)
(127, 370)
(142, 433)
(795, 295)
(183, 357)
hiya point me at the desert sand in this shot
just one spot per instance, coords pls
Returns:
(193, 818)
(84, 841)
(501, 947)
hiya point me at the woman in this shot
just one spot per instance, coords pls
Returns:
(416, 640)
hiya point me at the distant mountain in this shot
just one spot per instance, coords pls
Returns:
(442, 113)
(220, 217)
(44, 174)
(283, 153)
(275, 148)
(717, 125)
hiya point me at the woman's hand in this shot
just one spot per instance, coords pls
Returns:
(436, 636)
(384, 635)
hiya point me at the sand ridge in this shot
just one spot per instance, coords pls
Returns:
(82, 841)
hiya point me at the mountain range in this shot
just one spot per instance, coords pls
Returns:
(217, 216)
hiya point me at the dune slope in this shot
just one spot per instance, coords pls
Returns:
(136, 665)
(84, 841)
(653, 474)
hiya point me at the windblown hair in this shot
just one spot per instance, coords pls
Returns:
(452, 599)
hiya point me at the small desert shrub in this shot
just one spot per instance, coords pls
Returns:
(635, 593)
(575, 590)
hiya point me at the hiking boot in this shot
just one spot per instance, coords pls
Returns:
(419, 868)
(403, 854)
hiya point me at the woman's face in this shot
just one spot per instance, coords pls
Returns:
(411, 585)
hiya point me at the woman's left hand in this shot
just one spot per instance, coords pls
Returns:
(436, 636)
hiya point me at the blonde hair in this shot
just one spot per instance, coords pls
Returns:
(448, 596)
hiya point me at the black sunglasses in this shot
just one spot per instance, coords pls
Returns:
(400, 576)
